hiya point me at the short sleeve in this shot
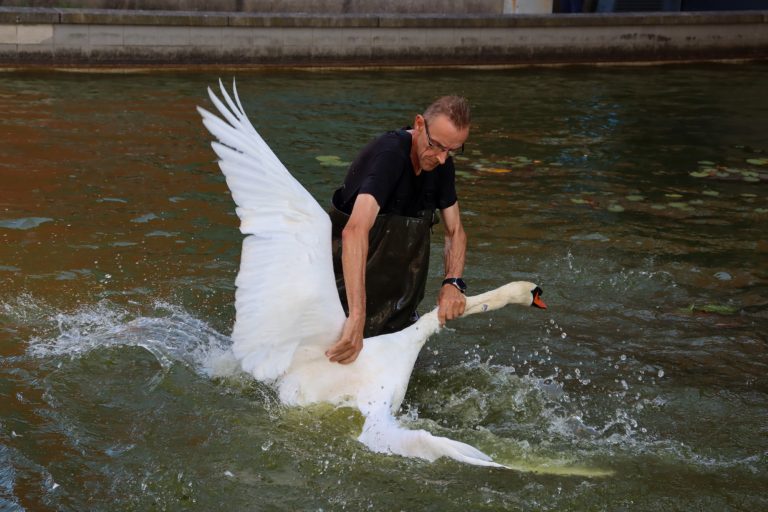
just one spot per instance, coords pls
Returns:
(384, 171)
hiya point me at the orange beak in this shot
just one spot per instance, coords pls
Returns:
(537, 302)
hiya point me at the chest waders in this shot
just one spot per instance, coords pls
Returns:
(396, 270)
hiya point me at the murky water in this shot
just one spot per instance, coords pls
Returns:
(636, 197)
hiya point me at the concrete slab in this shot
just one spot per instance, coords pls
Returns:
(237, 38)
(105, 35)
(155, 36)
(35, 35)
(206, 37)
(356, 37)
(8, 35)
(71, 36)
(385, 37)
(28, 15)
(299, 37)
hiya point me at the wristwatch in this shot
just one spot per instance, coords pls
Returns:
(457, 282)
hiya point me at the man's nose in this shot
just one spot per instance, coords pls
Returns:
(442, 156)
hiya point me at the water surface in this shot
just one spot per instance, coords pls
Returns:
(636, 197)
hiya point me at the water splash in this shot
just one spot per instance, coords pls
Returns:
(167, 331)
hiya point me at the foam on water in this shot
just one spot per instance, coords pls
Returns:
(168, 332)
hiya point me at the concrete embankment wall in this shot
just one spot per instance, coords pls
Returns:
(96, 37)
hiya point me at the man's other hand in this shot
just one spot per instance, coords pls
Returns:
(451, 303)
(349, 345)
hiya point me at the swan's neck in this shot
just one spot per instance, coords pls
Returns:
(485, 302)
(428, 324)
(425, 326)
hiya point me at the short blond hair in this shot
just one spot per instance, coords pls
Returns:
(455, 108)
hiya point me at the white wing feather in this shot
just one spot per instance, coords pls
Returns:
(286, 294)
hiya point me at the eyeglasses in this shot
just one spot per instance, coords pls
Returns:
(436, 146)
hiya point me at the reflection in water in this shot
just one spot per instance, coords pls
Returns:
(634, 196)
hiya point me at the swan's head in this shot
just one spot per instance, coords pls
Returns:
(523, 293)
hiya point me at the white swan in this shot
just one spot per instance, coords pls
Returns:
(288, 311)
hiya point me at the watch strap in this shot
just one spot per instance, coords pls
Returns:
(457, 282)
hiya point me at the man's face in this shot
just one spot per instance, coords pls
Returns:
(436, 140)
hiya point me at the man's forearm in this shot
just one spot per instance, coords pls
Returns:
(454, 253)
(354, 254)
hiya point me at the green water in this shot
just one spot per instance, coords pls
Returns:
(635, 197)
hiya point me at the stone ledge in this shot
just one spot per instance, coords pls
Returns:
(31, 15)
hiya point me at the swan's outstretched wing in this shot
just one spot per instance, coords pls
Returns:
(286, 292)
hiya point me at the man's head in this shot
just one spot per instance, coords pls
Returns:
(441, 130)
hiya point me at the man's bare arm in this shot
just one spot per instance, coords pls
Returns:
(450, 300)
(354, 255)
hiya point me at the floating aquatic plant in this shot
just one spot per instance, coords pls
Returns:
(719, 309)
(709, 169)
(331, 161)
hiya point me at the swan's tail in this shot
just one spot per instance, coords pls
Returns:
(382, 433)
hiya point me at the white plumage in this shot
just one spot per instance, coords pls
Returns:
(288, 309)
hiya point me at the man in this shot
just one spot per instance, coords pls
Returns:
(382, 218)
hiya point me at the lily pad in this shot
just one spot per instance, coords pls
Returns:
(757, 161)
(673, 196)
(699, 174)
(705, 162)
(576, 200)
(711, 193)
(719, 309)
(498, 170)
(331, 161)
(616, 208)
(751, 179)
(761, 210)
(635, 197)
(749, 195)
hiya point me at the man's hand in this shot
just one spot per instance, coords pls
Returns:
(349, 345)
(451, 303)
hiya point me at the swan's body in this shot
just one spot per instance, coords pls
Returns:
(288, 309)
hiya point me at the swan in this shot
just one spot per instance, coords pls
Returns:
(288, 310)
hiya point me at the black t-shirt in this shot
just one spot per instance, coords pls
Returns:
(384, 169)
